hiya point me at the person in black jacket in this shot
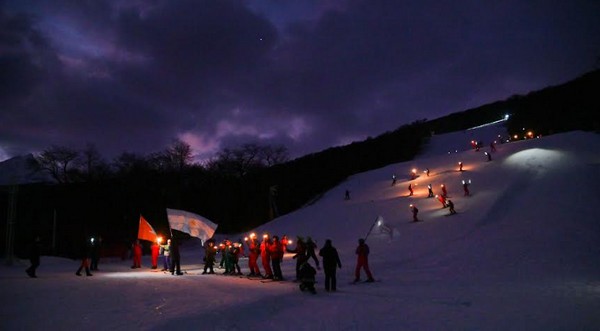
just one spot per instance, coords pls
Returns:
(34, 257)
(175, 258)
(331, 261)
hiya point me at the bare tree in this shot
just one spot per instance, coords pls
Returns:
(179, 154)
(130, 162)
(58, 161)
(272, 155)
(91, 163)
(239, 161)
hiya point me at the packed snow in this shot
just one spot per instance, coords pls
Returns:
(522, 253)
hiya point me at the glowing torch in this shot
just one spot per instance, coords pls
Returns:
(159, 240)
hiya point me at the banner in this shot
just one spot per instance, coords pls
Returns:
(146, 231)
(192, 224)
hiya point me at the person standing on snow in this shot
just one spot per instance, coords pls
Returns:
(209, 257)
(154, 251)
(238, 251)
(306, 276)
(310, 251)
(410, 189)
(137, 254)
(253, 253)
(34, 257)
(299, 254)
(444, 192)
(85, 259)
(362, 262)
(276, 254)
(266, 257)
(331, 261)
(95, 258)
(166, 251)
(175, 258)
(393, 179)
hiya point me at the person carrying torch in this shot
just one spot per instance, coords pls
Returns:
(266, 257)
(154, 250)
(253, 253)
(210, 252)
(444, 192)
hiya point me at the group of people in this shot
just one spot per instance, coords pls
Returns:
(271, 251)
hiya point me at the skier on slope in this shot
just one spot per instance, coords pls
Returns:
(444, 192)
(410, 189)
(362, 261)
(466, 188)
(430, 189)
(442, 200)
(415, 211)
(451, 207)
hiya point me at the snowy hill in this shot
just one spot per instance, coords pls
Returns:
(522, 253)
(19, 170)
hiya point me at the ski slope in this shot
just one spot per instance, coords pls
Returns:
(522, 253)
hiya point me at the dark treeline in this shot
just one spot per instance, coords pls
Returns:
(246, 186)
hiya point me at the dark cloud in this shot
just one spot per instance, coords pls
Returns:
(134, 75)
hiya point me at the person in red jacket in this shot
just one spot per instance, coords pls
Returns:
(442, 200)
(253, 252)
(276, 254)
(137, 254)
(444, 192)
(362, 252)
(155, 249)
(265, 257)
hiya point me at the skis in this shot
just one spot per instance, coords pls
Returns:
(365, 282)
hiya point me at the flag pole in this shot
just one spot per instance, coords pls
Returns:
(371, 229)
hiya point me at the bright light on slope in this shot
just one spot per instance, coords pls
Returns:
(538, 160)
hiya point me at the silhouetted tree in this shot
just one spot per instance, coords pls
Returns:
(59, 162)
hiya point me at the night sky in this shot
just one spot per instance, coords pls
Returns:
(307, 74)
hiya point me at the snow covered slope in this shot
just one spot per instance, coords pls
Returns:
(522, 253)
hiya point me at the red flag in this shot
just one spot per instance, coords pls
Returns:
(145, 231)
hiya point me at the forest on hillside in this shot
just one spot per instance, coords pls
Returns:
(245, 186)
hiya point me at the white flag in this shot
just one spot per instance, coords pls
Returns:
(192, 224)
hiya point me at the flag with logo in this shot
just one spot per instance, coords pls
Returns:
(192, 224)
